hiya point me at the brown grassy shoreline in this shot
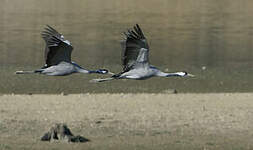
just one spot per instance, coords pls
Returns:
(130, 121)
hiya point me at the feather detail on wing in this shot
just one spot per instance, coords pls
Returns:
(57, 48)
(135, 48)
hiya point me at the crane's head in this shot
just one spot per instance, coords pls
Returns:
(185, 74)
(103, 71)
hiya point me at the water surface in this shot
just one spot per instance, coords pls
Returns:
(210, 38)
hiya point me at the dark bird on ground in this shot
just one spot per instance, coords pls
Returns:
(58, 57)
(135, 59)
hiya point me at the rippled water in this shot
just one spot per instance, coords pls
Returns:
(210, 38)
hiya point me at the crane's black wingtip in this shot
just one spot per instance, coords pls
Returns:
(135, 33)
(137, 25)
(50, 29)
(47, 27)
(137, 29)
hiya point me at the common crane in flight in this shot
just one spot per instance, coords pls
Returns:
(135, 59)
(58, 57)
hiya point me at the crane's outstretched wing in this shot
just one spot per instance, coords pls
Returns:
(57, 48)
(135, 48)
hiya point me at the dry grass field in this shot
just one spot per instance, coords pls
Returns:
(130, 121)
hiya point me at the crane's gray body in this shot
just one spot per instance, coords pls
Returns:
(142, 71)
(135, 59)
(61, 69)
(58, 57)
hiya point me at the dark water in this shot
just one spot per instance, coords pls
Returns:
(212, 39)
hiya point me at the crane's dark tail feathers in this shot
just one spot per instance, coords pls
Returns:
(101, 80)
(28, 72)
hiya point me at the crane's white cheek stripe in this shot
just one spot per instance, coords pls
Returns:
(181, 73)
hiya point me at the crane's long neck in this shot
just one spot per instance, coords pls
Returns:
(94, 71)
(164, 74)
(81, 70)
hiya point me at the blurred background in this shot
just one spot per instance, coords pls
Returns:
(212, 39)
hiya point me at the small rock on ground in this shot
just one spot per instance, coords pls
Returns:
(60, 132)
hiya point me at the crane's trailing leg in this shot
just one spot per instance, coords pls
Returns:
(101, 80)
(24, 72)
(28, 72)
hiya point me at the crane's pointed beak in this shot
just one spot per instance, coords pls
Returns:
(190, 75)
